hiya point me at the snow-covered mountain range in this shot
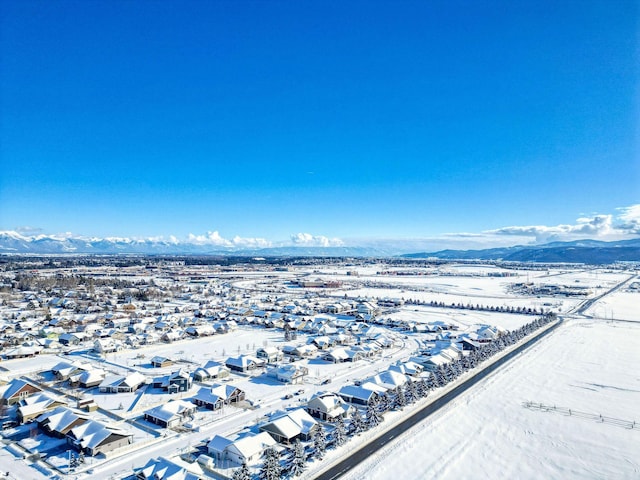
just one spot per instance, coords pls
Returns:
(14, 242)
(582, 251)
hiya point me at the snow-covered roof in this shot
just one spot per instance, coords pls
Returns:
(291, 423)
(205, 395)
(170, 409)
(253, 444)
(218, 444)
(92, 433)
(164, 469)
(60, 418)
(389, 379)
(15, 386)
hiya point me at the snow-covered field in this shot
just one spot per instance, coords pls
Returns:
(620, 305)
(465, 319)
(586, 366)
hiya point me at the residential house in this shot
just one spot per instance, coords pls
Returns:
(118, 384)
(22, 351)
(106, 345)
(301, 351)
(269, 354)
(432, 362)
(217, 396)
(246, 449)
(71, 339)
(211, 370)
(410, 368)
(178, 381)
(17, 390)
(164, 469)
(59, 421)
(93, 437)
(171, 414)
(468, 344)
(64, 370)
(366, 394)
(161, 362)
(322, 342)
(341, 354)
(35, 405)
(389, 380)
(286, 427)
(328, 407)
(203, 330)
(244, 363)
(88, 379)
(289, 373)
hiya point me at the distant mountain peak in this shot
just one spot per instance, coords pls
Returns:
(577, 251)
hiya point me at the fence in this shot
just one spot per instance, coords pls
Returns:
(629, 424)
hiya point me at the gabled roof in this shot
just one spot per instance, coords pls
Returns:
(171, 409)
(218, 444)
(15, 386)
(92, 433)
(37, 403)
(60, 418)
(163, 469)
(389, 379)
(253, 444)
(159, 359)
(132, 380)
(359, 392)
(91, 376)
(290, 424)
(328, 403)
(223, 390)
(206, 396)
(243, 361)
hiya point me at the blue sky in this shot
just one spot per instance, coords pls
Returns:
(341, 120)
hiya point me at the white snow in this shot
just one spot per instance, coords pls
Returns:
(587, 366)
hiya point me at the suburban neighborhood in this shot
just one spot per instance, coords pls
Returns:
(155, 369)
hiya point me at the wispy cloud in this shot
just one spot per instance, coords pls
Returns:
(27, 230)
(630, 218)
(597, 227)
(607, 227)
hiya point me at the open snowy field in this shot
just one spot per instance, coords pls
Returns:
(467, 320)
(586, 366)
(475, 298)
(620, 305)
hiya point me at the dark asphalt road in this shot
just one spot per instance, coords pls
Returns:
(370, 448)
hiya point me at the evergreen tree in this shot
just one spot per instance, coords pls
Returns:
(400, 400)
(242, 473)
(411, 392)
(357, 425)
(319, 442)
(271, 467)
(373, 417)
(298, 459)
(340, 433)
(384, 403)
